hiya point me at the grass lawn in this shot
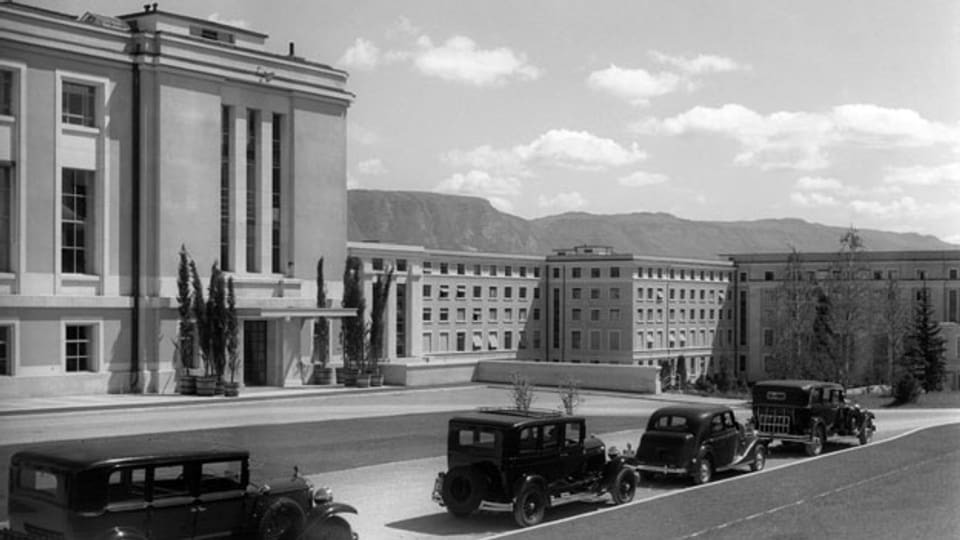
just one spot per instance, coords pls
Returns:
(932, 400)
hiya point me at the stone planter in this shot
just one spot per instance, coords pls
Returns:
(188, 385)
(363, 381)
(206, 385)
(323, 376)
(376, 379)
(231, 389)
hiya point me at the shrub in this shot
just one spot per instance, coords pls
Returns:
(906, 389)
(569, 392)
(521, 391)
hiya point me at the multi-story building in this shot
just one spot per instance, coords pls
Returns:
(123, 139)
(759, 276)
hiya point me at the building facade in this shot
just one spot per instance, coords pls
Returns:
(123, 139)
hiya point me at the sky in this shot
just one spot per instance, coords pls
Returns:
(841, 113)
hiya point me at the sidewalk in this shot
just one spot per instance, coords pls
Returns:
(59, 404)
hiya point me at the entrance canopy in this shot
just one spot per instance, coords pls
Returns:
(296, 313)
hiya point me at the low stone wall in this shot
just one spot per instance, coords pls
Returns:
(624, 378)
(426, 374)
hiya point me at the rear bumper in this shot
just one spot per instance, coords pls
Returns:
(662, 469)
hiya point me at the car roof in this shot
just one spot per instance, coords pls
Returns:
(691, 412)
(80, 455)
(797, 383)
(513, 418)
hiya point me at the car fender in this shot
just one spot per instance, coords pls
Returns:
(326, 510)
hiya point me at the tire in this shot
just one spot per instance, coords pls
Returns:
(704, 472)
(463, 490)
(624, 486)
(282, 520)
(815, 446)
(759, 458)
(530, 505)
(866, 432)
(332, 528)
(645, 476)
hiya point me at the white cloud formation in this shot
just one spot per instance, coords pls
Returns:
(636, 86)
(703, 63)
(799, 140)
(363, 54)
(371, 167)
(812, 199)
(817, 183)
(459, 60)
(642, 178)
(362, 135)
(562, 202)
(403, 27)
(578, 150)
(497, 190)
(889, 209)
(948, 174)
(239, 23)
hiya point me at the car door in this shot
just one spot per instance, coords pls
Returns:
(722, 438)
(571, 450)
(171, 510)
(221, 492)
(126, 504)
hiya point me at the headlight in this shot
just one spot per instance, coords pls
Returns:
(323, 495)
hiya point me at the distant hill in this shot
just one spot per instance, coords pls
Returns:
(462, 223)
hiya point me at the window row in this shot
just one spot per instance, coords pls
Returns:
(613, 293)
(491, 340)
(459, 292)
(691, 295)
(490, 270)
(79, 348)
(595, 342)
(682, 315)
(674, 339)
(477, 314)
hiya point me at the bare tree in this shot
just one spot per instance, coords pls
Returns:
(892, 321)
(793, 315)
(849, 300)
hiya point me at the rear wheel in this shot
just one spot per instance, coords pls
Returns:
(815, 446)
(530, 505)
(463, 490)
(704, 472)
(624, 486)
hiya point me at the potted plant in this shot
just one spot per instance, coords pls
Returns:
(322, 372)
(231, 388)
(217, 320)
(206, 383)
(185, 326)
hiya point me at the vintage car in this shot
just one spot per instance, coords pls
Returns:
(697, 442)
(106, 490)
(508, 459)
(808, 412)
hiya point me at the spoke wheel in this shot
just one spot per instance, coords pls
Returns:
(530, 505)
(759, 458)
(704, 471)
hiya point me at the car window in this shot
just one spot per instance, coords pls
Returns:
(476, 438)
(44, 483)
(671, 423)
(816, 396)
(169, 481)
(127, 485)
(835, 397)
(221, 476)
(528, 439)
(573, 434)
(728, 420)
(551, 436)
(716, 423)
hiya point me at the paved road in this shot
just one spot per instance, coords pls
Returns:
(908, 487)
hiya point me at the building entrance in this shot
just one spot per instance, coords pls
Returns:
(255, 353)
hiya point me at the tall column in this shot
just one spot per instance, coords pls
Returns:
(390, 324)
(238, 190)
(415, 313)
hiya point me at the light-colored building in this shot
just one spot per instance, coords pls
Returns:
(760, 275)
(123, 138)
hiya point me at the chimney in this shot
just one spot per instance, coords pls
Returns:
(292, 47)
(154, 6)
(146, 8)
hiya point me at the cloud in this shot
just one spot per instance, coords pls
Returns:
(812, 199)
(498, 190)
(403, 27)
(362, 134)
(239, 23)
(636, 86)
(371, 167)
(459, 60)
(577, 150)
(642, 178)
(703, 63)
(562, 202)
(800, 140)
(890, 209)
(816, 183)
(948, 174)
(363, 54)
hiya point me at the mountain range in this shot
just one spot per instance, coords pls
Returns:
(461, 223)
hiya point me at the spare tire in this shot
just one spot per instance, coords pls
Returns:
(283, 519)
(463, 490)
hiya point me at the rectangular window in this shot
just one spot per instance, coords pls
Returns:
(508, 314)
(461, 341)
(493, 270)
(522, 292)
(492, 292)
(508, 292)
(427, 291)
(536, 293)
(477, 291)
(522, 315)
(575, 314)
(477, 314)
(401, 265)
(426, 343)
(575, 293)
(444, 314)
(477, 340)
(377, 263)
(615, 314)
(226, 130)
(461, 269)
(6, 92)
(444, 268)
(461, 314)
(476, 269)
(427, 314)
(537, 340)
(595, 340)
(614, 293)
(614, 271)
(79, 348)
(594, 294)
(6, 218)
(594, 314)
(523, 273)
(492, 342)
(536, 271)
(427, 267)
(614, 337)
(444, 292)
(253, 131)
(461, 291)
(508, 270)
(575, 272)
(76, 221)
(6, 350)
(508, 339)
(536, 314)
(595, 273)
(575, 337)
(276, 172)
(492, 314)
(79, 104)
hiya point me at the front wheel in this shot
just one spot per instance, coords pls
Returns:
(624, 486)
(282, 520)
(866, 432)
(530, 505)
(332, 528)
(704, 472)
(815, 446)
(759, 458)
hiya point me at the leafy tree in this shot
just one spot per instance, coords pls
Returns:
(216, 313)
(849, 299)
(793, 320)
(321, 330)
(521, 392)
(354, 328)
(821, 364)
(199, 308)
(233, 330)
(381, 295)
(925, 348)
